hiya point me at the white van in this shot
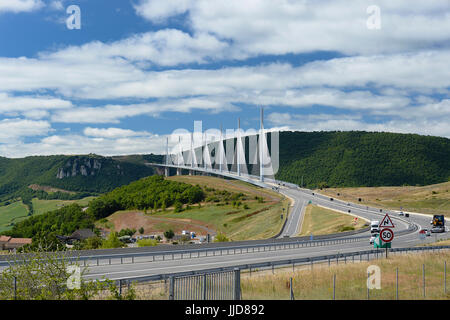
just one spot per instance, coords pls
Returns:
(374, 226)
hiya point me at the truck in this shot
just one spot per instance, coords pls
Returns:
(374, 226)
(438, 223)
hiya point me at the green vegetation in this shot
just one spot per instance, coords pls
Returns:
(43, 206)
(354, 159)
(256, 217)
(44, 228)
(152, 192)
(47, 276)
(318, 221)
(12, 214)
(147, 243)
(127, 232)
(112, 241)
(169, 234)
(221, 238)
(432, 199)
(101, 174)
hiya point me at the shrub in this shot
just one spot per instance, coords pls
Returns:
(147, 243)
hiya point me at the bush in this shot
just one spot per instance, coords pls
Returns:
(169, 234)
(147, 243)
(112, 241)
(221, 238)
(46, 276)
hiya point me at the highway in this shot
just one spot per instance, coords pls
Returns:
(405, 236)
(301, 196)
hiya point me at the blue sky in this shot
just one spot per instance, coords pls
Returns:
(137, 70)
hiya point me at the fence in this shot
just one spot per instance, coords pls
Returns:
(343, 258)
(208, 286)
(224, 283)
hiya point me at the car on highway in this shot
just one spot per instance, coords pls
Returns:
(372, 238)
(401, 214)
(374, 226)
(426, 231)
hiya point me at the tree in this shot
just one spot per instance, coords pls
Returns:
(92, 243)
(169, 234)
(112, 241)
(42, 275)
(141, 230)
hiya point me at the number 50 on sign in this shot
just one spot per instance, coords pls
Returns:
(386, 235)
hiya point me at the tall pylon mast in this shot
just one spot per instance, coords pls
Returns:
(238, 148)
(220, 149)
(261, 146)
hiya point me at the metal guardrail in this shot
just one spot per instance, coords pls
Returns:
(367, 254)
(197, 253)
(122, 258)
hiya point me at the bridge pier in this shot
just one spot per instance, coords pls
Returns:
(178, 171)
(166, 171)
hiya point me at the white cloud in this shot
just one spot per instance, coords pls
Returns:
(12, 130)
(113, 133)
(327, 122)
(166, 47)
(56, 5)
(20, 5)
(79, 144)
(113, 113)
(31, 105)
(115, 78)
(278, 27)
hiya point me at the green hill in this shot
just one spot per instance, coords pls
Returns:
(355, 158)
(80, 173)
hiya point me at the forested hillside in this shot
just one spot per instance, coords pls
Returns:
(81, 173)
(149, 192)
(351, 159)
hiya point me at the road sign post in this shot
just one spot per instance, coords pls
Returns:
(386, 236)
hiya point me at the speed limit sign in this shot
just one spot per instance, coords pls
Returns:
(386, 235)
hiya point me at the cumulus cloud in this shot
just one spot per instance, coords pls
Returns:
(12, 130)
(115, 78)
(284, 26)
(325, 122)
(16, 6)
(31, 106)
(80, 144)
(113, 133)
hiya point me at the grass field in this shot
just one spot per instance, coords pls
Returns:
(351, 280)
(42, 206)
(319, 221)
(17, 211)
(12, 213)
(253, 219)
(431, 199)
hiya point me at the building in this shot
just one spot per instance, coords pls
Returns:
(9, 243)
(78, 235)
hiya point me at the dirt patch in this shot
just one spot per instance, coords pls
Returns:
(37, 187)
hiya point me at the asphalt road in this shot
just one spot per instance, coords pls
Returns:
(301, 198)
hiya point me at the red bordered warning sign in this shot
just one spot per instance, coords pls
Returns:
(386, 235)
(386, 222)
